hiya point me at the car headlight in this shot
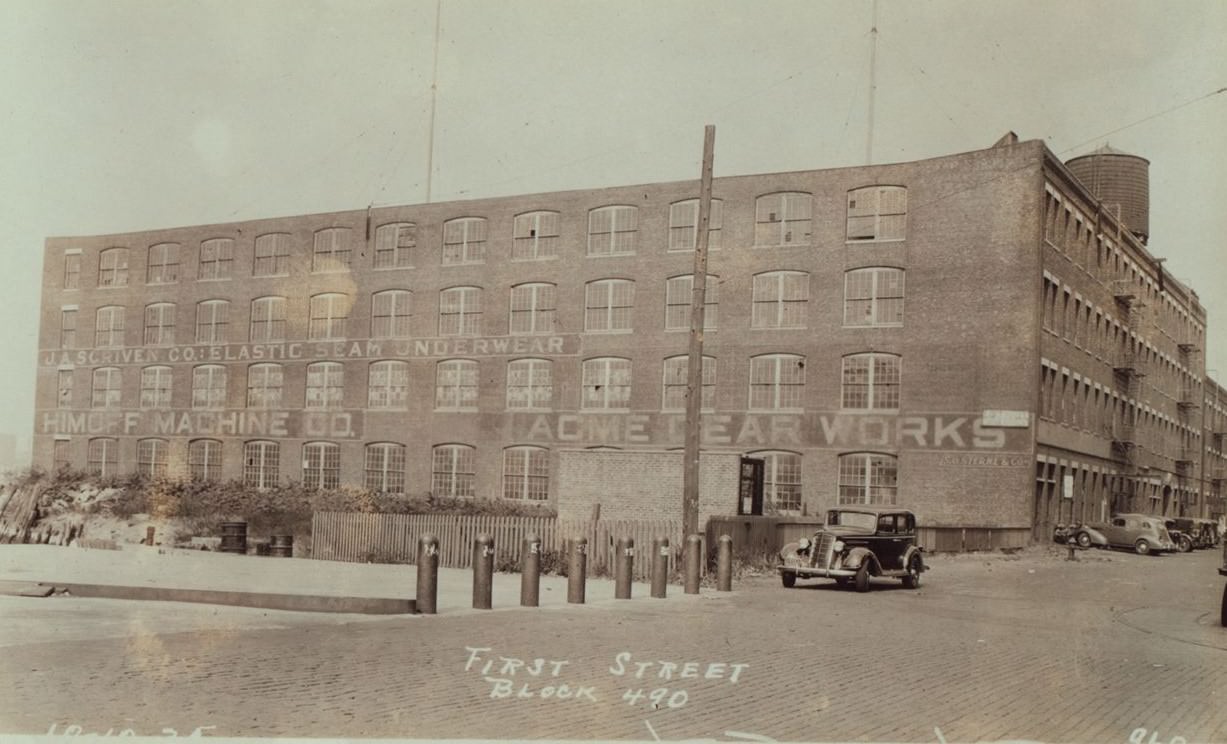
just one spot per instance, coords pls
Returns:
(838, 546)
(803, 543)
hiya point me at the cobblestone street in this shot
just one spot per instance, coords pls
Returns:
(990, 648)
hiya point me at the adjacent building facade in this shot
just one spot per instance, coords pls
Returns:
(977, 336)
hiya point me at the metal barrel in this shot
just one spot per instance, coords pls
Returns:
(282, 546)
(234, 537)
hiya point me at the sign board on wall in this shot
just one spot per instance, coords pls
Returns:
(1067, 486)
(1006, 419)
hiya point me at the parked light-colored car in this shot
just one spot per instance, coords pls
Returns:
(1142, 533)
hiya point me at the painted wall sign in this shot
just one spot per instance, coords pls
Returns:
(312, 350)
(749, 431)
(1006, 419)
(244, 423)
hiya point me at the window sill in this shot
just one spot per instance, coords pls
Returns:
(775, 410)
(214, 279)
(604, 410)
(620, 332)
(455, 410)
(872, 241)
(283, 275)
(534, 259)
(783, 245)
(392, 268)
(874, 325)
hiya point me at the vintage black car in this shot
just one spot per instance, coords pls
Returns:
(857, 542)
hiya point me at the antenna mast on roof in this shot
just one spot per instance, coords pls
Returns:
(873, 84)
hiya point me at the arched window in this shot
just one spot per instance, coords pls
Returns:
(216, 259)
(113, 267)
(160, 324)
(684, 225)
(535, 236)
(781, 481)
(204, 459)
(612, 230)
(261, 464)
(532, 308)
(530, 384)
(329, 311)
(777, 381)
(606, 383)
(394, 244)
(267, 319)
(453, 471)
(608, 305)
(325, 386)
(873, 297)
(103, 457)
(332, 250)
(272, 255)
(456, 385)
(109, 326)
(877, 213)
(676, 369)
(385, 467)
(871, 381)
(783, 219)
(155, 387)
(163, 264)
(391, 313)
(388, 385)
(678, 291)
(464, 241)
(780, 299)
(526, 473)
(460, 311)
(151, 456)
(321, 465)
(264, 385)
(108, 387)
(212, 320)
(209, 387)
(868, 478)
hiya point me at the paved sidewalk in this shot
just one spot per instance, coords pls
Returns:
(184, 575)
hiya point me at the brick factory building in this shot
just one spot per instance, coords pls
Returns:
(977, 336)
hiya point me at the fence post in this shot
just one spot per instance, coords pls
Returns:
(660, 567)
(483, 571)
(624, 568)
(428, 574)
(692, 564)
(530, 571)
(724, 565)
(577, 572)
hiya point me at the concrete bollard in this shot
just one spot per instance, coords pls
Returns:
(483, 571)
(724, 565)
(530, 571)
(693, 551)
(624, 568)
(660, 567)
(428, 575)
(149, 535)
(577, 571)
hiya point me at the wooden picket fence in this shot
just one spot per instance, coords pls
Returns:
(392, 538)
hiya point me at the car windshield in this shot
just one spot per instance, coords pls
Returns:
(859, 520)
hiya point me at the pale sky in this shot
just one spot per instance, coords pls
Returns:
(125, 115)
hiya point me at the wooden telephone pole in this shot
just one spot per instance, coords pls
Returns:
(694, 362)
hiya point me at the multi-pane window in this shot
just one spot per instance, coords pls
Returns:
(212, 319)
(464, 241)
(684, 225)
(209, 387)
(777, 381)
(329, 311)
(61, 456)
(612, 231)
(261, 464)
(388, 385)
(535, 236)
(781, 482)
(68, 327)
(331, 249)
(264, 386)
(103, 457)
(871, 381)
(676, 370)
(606, 383)
(782, 219)
(394, 244)
(163, 266)
(679, 291)
(321, 465)
(159, 324)
(608, 305)
(107, 388)
(780, 299)
(72, 270)
(873, 297)
(532, 308)
(155, 387)
(391, 312)
(526, 473)
(877, 213)
(267, 319)
(456, 384)
(109, 326)
(272, 255)
(216, 259)
(385, 467)
(325, 385)
(867, 478)
(454, 471)
(204, 459)
(113, 267)
(460, 311)
(151, 458)
(530, 383)
(64, 386)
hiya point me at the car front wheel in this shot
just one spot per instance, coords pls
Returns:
(1084, 540)
(862, 577)
(1185, 544)
(1142, 547)
(789, 579)
(914, 568)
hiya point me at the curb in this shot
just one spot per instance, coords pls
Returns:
(263, 600)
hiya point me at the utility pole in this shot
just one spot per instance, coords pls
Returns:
(434, 90)
(694, 361)
(873, 83)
